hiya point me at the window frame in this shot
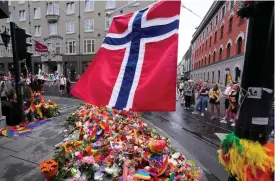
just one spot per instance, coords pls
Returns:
(67, 46)
(72, 27)
(59, 48)
(230, 24)
(40, 32)
(50, 29)
(72, 9)
(110, 22)
(34, 10)
(107, 4)
(20, 11)
(89, 2)
(92, 23)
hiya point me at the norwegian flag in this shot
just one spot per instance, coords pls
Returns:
(135, 68)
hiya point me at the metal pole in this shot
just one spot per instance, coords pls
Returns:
(17, 76)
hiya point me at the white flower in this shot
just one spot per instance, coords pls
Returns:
(176, 155)
(172, 161)
(85, 136)
(109, 170)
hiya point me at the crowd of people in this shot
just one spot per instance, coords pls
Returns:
(199, 94)
(37, 82)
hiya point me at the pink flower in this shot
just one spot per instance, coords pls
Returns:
(178, 177)
(88, 160)
(79, 155)
(74, 179)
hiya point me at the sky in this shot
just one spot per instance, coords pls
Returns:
(189, 21)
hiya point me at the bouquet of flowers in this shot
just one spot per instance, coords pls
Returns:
(107, 142)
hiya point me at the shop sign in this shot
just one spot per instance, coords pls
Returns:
(53, 37)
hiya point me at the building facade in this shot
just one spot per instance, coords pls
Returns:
(187, 63)
(218, 45)
(72, 30)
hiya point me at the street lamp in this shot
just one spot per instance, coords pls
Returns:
(5, 38)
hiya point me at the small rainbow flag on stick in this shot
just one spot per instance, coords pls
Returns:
(32, 107)
(142, 174)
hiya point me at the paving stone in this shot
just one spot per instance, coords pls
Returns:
(13, 168)
(48, 156)
(45, 134)
(20, 143)
(54, 140)
(33, 175)
(34, 152)
(5, 153)
(4, 139)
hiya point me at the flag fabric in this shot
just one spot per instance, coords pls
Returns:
(39, 47)
(136, 66)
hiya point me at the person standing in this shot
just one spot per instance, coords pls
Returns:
(227, 92)
(188, 92)
(233, 103)
(181, 87)
(214, 100)
(62, 83)
(68, 86)
(203, 98)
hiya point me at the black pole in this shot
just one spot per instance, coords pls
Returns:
(17, 76)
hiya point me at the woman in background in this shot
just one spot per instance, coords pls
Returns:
(214, 100)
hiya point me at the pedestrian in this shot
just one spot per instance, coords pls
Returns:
(188, 92)
(68, 86)
(181, 87)
(203, 98)
(62, 83)
(226, 103)
(36, 85)
(233, 105)
(214, 100)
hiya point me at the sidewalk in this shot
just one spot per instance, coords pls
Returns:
(20, 156)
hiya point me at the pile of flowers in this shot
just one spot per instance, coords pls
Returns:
(105, 142)
(39, 109)
(247, 160)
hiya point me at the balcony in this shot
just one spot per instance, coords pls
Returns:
(52, 18)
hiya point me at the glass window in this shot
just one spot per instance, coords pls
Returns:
(239, 45)
(53, 28)
(89, 25)
(221, 32)
(214, 56)
(223, 12)
(37, 31)
(215, 38)
(70, 27)
(220, 54)
(228, 50)
(110, 4)
(89, 46)
(37, 14)
(230, 25)
(70, 47)
(22, 15)
(89, 5)
(57, 48)
(216, 20)
(50, 46)
(108, 23)
(70, 8)
(9, 50)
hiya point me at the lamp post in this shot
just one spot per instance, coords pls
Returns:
(5, 38)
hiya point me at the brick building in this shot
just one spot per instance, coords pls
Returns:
(218, 44)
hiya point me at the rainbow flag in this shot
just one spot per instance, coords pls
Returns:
(152, 156)
(142, 175)
(164, 166)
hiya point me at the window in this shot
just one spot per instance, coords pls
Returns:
(206, 31)
(213, 77)
(241, 20)
(89, 5)
(89, 46)
(107, 23)
(37, 14)
(9, 51)
(37, 31)
(219, 76)
(231, 4)
(230, 25)
(134, 4)
(202, 46)
(214, 56)
(223, 12)
(209, 59)
(237, 74)
(22, 15)
(216, 19)
(110, 4)
(221, 32)
(211, 26)
(10, 18)
(1, 52)
(215, 37)
(70, 8)
(69, 27)
(53, 28)
(70, 47)
(204, 61)
(206, 45)
(210, 40)
(57, 48)
(239, 45)
(220, 54)
(21, 1)
(50, 46)
(89, 25)
(228, 50)
(207, 76)
(53, 9)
